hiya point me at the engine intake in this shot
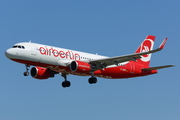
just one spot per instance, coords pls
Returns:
(79, 66)
(41, 73)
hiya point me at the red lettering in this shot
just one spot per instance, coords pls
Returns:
(55, 53)
(72, 56)
(42, 51)
(77, 56)
(46, 50)
(50, 51)
(61, 54)
(67, 54)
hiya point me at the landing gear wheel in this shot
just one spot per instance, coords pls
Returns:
(92, 80)
(26, 73)
(66, 84)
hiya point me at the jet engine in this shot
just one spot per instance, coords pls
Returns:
(41, 73)
(79, 66)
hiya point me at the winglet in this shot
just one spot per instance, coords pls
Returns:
(163, 43)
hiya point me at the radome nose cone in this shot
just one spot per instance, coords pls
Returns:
(8, 53)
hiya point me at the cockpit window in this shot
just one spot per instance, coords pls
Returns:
(15, 46)
(18, 46)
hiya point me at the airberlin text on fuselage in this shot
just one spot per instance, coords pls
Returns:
(59, 53)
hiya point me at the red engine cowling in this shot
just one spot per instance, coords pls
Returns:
(41, 73)
(79, 66)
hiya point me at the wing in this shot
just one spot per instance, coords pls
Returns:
(103, 63)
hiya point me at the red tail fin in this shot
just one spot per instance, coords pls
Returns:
(145, 46)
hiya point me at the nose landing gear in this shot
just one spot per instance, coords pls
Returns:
(27, 70)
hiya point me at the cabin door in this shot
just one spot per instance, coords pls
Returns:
(33, 49)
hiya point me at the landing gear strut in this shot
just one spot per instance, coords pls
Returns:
(65, 83)
(27, 69)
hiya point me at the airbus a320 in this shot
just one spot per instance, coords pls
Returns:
(47, 61)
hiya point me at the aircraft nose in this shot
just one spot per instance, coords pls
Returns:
(9, 53)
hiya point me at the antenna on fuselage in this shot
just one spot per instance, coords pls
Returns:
(30, 41)
(96, 53)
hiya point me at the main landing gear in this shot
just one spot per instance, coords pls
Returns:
(65, 83)
(27, 70)
(92, 80)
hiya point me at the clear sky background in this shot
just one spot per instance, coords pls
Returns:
(107, 27)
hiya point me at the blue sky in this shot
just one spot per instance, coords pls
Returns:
(110, 28)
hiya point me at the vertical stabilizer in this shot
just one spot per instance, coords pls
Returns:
(145, 46)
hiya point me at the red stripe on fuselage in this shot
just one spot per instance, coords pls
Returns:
(118, 72)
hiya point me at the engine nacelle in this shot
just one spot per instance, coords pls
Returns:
(79, 66)
(41, 73)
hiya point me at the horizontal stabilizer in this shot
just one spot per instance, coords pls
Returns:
(159, 67)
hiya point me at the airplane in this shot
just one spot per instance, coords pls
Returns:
(47, 61)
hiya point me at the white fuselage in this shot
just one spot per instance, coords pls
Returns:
(50, 54)
(53, 56)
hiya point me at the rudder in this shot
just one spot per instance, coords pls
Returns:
(145, 46)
